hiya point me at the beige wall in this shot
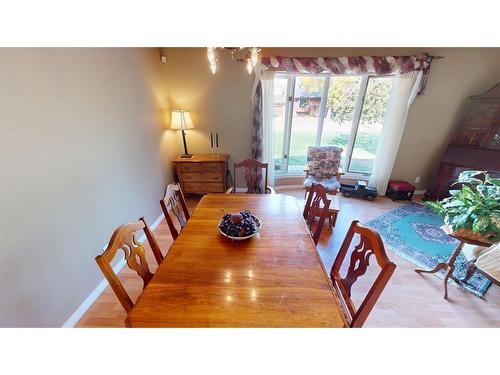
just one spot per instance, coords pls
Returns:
(433, 116)
(219, 102)
(222, 102)
(82, 150)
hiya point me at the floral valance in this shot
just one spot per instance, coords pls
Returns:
(351, 65)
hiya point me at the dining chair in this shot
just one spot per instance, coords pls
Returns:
(369, 243)
(124, 238)
(317, 205)
(323, 167)
(253, 177)
(173, 201)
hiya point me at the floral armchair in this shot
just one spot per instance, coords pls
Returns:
(323, 167)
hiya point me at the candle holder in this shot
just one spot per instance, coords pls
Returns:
(214, 144)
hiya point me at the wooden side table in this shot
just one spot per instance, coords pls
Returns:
(449, 266)
(333, 210)
(202, 173)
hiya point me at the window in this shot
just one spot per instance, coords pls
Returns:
(343, 111)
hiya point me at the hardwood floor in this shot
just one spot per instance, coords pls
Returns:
(409, 300)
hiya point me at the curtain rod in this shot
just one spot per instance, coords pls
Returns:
(426, 54)
(434, 57)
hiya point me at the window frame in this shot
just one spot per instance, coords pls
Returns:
(287, 132)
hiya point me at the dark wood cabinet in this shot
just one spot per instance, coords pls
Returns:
(475, 145)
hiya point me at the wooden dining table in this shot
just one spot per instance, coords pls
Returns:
(274, 279)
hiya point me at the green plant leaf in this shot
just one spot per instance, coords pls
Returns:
(466, 175)
(480, 225)
(475, 206)
(468, 180)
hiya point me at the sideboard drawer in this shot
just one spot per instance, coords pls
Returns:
(202, 174)
(204, 187)
(202, 177)
(200, 167)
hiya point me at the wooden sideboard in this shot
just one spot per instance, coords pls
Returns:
(202, 174)
(475, 144)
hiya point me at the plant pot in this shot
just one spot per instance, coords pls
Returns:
(470, 235)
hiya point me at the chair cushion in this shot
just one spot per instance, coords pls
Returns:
(324, 161)
(330, 184)
(489, 262)
(401, 186)
(471, 252)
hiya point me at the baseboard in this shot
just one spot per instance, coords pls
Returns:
(75, 317)
(276, 188)
(292, 187)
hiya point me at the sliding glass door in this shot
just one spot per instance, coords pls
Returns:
(343, 111)
(370, 125)
(342, 97)
(305, 118)
(281, 86)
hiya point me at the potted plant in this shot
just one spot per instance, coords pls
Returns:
(474, 210)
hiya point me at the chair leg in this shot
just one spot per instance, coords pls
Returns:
(471, 268)
(334, 215)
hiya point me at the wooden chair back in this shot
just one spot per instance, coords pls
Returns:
(317, 205)
(173, 201)
(253, 176)
(370, 243)
(124, 238)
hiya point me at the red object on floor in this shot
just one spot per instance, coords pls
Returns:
(400, 190)
(401, 185)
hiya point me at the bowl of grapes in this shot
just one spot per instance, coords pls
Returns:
(239, 226)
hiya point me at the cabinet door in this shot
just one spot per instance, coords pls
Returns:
(493, 139)
(441, 184)
(448, 175)
(476, 126)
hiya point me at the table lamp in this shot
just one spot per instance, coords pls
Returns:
(182, 120)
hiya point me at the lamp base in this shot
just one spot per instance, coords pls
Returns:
(185, 156)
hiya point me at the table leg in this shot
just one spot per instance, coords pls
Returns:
(439, 267)
(332, 219)
(448, 266)
(451, 268)
(471, 269)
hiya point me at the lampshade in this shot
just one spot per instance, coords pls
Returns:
(181, 120)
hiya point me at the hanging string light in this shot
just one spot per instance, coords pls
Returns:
(211, 55)
(249, 66)
(254, 56)
(251, 58)
(211, 59)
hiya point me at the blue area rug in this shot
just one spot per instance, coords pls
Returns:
(413, 231)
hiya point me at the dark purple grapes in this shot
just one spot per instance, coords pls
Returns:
(241, 224)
